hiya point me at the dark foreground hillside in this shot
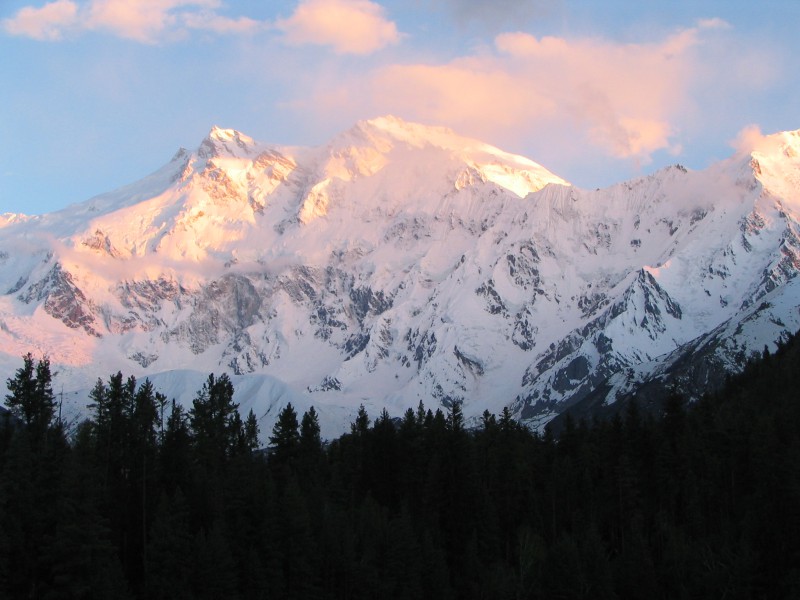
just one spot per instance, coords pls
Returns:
(146, 500)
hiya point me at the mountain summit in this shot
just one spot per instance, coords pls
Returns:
(400, 263)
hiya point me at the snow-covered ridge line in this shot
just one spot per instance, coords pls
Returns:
(401, 263)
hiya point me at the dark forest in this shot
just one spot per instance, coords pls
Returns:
(147, 499)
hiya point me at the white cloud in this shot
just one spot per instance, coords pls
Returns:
(348, 26)
(624, 98)
(751, 139)
(145, 21)
(45, 23)
(713, 23)
(210, 21)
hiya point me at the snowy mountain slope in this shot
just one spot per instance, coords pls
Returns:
(711, 301)
(401, 263)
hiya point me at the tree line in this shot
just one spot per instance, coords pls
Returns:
(148, 499)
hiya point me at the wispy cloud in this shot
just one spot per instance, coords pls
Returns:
(632, 100)
(145, 21)
(751, 139)
(46, 23)
(212, 22)
(347, 26)
(621, 97)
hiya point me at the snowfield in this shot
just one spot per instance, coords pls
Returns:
(401, 263)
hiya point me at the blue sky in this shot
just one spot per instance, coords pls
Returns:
(95, 94)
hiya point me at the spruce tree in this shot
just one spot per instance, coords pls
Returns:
(215, 422)
(251, 431)
(361, 425)
(30, 482)
(31, 396)
(455, 417)
(285, 438)
(175, 454)
(310, 439)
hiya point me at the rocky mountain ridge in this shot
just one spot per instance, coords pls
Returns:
(401, 263)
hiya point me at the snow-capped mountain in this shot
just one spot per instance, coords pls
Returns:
(401, 263)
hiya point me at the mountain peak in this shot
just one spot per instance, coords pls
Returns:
(415, 134)
(394, 263)
(781, 145)
(221, 134)
(775, 162)
(221, 142)
(383, 135)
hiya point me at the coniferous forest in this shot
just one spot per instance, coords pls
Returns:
(146, 499)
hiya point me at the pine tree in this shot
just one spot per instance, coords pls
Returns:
(285, 438)
(383, 460)
(251, 431)
(507, 423)
(361, 425)
(112, 409)
(143, 444)
(408, 426)
(488, 422)
(310, 439)
(82, 559)
(215, 422)
(175, 455)
(31, 397)
(144, 416)
(455, 418)
(29, 501)
(420, 414)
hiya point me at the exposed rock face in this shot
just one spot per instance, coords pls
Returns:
(62, 299)
(402, 263)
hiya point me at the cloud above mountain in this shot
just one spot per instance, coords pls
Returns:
(147, 21)
(621, 97)
(589, 91)
(347, 26)
(46, 23)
